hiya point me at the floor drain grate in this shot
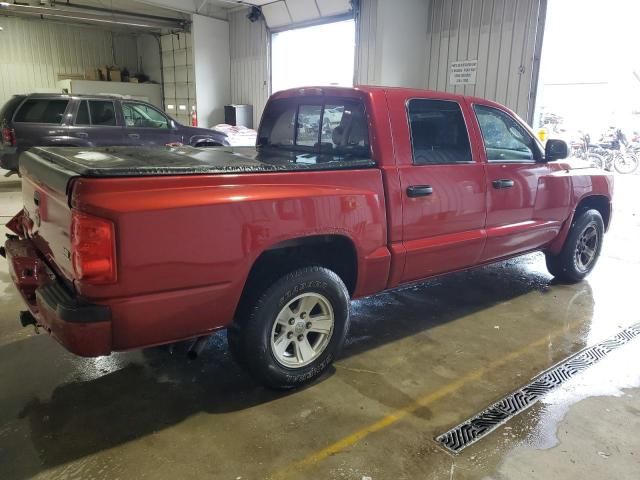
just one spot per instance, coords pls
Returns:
(488, 420)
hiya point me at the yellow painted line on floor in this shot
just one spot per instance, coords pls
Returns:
(421, 402)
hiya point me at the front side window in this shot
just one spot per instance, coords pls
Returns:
(505, 140)
(143, 116)
(438, 132)
(42, 110)
(321, 126)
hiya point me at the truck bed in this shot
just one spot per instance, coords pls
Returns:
(57, 165)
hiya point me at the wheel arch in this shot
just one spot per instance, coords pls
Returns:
(334, 251)
(601, 203)
(598, 202)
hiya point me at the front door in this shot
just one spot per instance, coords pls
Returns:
(514, 172)
(145, 125)
(443, 185)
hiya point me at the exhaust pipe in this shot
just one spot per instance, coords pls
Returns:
(198, 346)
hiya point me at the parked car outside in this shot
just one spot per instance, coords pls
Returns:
(91, 121)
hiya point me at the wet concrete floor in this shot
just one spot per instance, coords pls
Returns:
(418, 361)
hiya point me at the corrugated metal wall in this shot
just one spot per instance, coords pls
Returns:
(249, 45)
(367, 64)
(500, 34)
(33, 53)
(179, 76)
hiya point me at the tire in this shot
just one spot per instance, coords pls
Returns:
(625, 163)
(596, 160)
(294, 328)
(575, 262)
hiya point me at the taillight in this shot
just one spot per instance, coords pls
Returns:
(93, 249)
(9, 137)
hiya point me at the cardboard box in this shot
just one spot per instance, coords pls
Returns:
(104, 73)
(91, 73)
(133, 80)
(115, 75)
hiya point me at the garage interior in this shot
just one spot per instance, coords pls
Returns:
(419, 360)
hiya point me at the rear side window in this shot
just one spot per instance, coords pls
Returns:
(438, 132)
(96, 112)
(82, 118)
(102, 112)
(326, 126)
(42, 110)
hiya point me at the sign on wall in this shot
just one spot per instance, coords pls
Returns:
(463, 72)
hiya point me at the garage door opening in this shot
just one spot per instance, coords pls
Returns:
(589, 86)
(318, 55)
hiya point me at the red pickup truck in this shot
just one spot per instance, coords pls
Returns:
(349, 191)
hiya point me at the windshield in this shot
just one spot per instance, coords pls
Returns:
(316, 125)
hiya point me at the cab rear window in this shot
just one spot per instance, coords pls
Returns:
(42, 110)
(332, 126)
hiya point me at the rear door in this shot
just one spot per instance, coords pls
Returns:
(96, 123)
(145, 125)
(443, 183)
(41, 121)
(514, 169)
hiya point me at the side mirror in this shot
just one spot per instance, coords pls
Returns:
(555, 150)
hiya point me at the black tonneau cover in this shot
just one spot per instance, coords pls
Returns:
(55, 166)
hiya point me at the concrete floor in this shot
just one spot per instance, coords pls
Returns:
(418, 361)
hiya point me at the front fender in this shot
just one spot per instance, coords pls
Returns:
(583, 186)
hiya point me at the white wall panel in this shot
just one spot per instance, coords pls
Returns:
(249, 47)
(500, 34)
(391, 43)
(367, 55)
(33, 53)
(211, 54)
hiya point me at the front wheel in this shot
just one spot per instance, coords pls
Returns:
(293, 329)
(626, 163)
(581, 248)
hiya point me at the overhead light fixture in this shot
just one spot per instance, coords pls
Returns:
(4, 4)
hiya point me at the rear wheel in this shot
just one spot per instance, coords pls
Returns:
(581, 249)
(596, 160)
(293, 329)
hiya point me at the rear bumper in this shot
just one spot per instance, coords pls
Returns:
(81, 327)
(8, 157)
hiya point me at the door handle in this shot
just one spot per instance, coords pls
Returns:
(502, 183)
(419, 191)
(133, 135)
(82, 134)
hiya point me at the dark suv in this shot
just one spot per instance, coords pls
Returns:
(90, 121)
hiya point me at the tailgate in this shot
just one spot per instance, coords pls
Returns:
(47, 215)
